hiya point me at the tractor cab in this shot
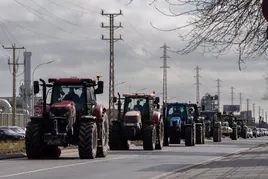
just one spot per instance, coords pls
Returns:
(175, 110)
(140, 107)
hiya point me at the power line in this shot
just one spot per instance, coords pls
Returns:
(14, 63)
(58, 4)
(197, 84)
(165, 57)
(112, 40)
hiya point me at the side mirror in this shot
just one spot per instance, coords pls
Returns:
(114, 99)
(157, 100)
(99, 90)
(36, 87)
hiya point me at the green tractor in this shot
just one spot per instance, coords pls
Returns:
(230, 127)
(212, 125)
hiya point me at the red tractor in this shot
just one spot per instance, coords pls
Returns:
(140, 119)
(71, 117)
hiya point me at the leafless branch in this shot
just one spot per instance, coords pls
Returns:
(222, 25)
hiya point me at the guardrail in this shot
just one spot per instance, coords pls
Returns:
(6, 119)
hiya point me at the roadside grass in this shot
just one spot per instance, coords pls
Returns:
(12, 147)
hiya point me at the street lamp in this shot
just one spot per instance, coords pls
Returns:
(33, 96)
(120, 83)
(140, 89)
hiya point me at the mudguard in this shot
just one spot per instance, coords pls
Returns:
(98, 111)
(156, 117)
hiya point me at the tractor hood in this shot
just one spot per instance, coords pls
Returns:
(62, 104)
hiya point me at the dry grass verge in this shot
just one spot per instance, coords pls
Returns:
(11, 147)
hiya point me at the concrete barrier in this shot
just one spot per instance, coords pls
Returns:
(6, 119)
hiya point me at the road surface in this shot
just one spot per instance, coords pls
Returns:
(133, 164)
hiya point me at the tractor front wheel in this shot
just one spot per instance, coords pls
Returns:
(102, 150)
(33, 141)
(149, 137)
(88, 136)
(199, 133)
(160, 136)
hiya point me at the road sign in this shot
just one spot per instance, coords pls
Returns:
(264, 7)
(232, 108)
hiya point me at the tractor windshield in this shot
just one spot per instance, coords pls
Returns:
(73, 93)
(176, 111)
(209, 116)
(137, 104)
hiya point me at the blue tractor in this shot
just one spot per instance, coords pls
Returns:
(182, 122)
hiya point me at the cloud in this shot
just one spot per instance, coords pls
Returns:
(69, 32)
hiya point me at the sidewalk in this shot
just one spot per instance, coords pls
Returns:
(250, 164)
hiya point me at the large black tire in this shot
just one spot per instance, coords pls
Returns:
(204, 133)
(52, 152)
(216, 134)
(189, 135)
(174, 136)
(199, 132)
(234, 134)
(149, 137)
(166, 134)
(33, 141)
(88, 137)
(116, 140)
(160, 136)
(244, 134)
(103, 128)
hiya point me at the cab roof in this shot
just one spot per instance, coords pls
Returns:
(72, 80)
(176, 103)
(139, 95)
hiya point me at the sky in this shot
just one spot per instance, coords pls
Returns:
(69, 32)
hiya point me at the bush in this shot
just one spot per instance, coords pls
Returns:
(12, 147)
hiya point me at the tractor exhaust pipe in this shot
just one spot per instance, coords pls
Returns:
(44, 96)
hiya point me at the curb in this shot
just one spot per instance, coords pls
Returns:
(11, 156)
(183, 169)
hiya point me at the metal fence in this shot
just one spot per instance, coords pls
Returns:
(6, 119)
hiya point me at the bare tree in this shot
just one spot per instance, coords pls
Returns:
(222, 25)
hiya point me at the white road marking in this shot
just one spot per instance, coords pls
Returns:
(199, 163)
(63, 166)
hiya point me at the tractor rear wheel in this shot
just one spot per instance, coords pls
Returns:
(199, 132)
(52, 151)
(160, 136)
(104, 137)
(149, 137)
(216, 134)
(203, 133)
(116, 141)
(166, 134)
(33, 141)
(189, 135)
(88, 136)
(234, 134)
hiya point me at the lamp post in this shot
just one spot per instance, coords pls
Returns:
(33, 95)
(123, 82)
(140, 89)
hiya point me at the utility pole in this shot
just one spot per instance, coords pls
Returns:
(14, 72)
(254, 111)
(165, 57)
(266, 118)
(232, 95)
(259, 116)
(112, 40)
(218, 92)
(262, 112)
(197, 85)
(247, 109)
(240, 101)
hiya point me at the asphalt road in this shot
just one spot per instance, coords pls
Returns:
(133, 164)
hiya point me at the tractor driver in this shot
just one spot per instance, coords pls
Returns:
(72, 96)
(138, 106)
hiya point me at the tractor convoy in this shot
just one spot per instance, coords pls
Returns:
(70, 115)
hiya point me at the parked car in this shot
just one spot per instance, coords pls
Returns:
(8, 134)
(249, 133)
(14, 129)
(17, 129)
